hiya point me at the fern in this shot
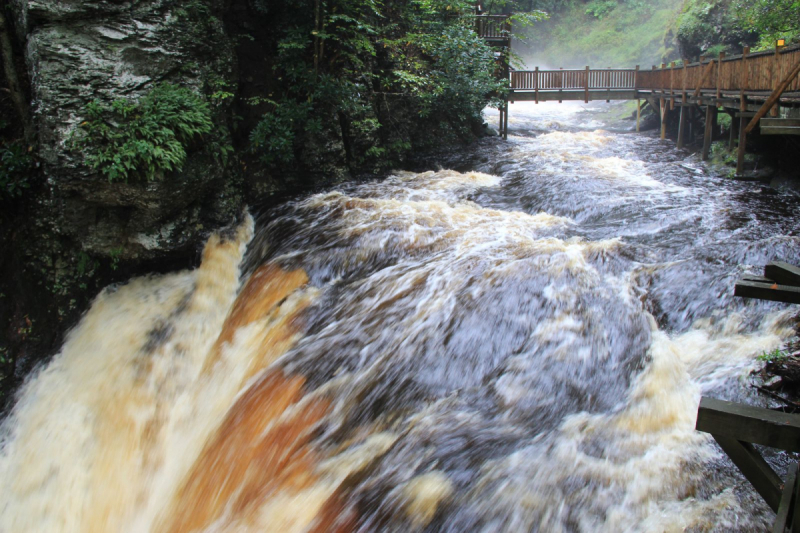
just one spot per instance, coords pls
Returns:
(144, 139)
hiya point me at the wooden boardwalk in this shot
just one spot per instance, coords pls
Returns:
(748, 86)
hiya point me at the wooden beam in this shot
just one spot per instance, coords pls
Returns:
(772, 292)
(750, 424)
(787, 500)
(796, 515)
(756, 278)
(763, 478)
(706, 73)
(783, 273)
(774, 97)
(663, 110)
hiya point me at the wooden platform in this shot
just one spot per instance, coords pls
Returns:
(736, 427)
(780, 283)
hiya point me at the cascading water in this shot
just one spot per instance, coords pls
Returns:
(519, 348)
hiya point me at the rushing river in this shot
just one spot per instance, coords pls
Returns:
(517, 347)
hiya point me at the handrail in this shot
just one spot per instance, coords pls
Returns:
(589, 79)
(493, 26)
(750, 72)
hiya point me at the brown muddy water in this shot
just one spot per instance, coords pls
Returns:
(521, 347)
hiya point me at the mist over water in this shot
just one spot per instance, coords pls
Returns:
(521, 347)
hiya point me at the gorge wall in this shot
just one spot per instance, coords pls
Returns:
(154, 122)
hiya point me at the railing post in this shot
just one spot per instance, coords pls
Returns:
(742, 109)
(586, 87)
(672, 85)
(776, 78)
(636, 79)
(536, 84)
(719, 78)
(560, 83)
(608, 84)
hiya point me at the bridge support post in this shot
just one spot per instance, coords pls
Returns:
(733, 132)
(638, 113)
(711, 119)
(500, 123)
(742, 144)
(682, 125)
(505, 121)
(663, 109)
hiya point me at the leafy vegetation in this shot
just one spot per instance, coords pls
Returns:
(144, 139)
(775, 356)
(770, 19)
(15, 168)
(370, 74)
(603, 33)
(708, 27)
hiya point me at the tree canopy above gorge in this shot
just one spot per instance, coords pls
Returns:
(361, 83)
(624, 33)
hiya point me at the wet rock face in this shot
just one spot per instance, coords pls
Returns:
(78, 52)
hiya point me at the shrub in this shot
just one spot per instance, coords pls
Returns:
(143, 139)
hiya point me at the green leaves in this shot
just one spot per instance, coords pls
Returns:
(15, 167)
(142, 139)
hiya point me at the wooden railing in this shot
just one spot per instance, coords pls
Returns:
(493, 26)
(749, 72)
(588, 79)
(758, 71)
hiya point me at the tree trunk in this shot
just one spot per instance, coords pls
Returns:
(14, 87)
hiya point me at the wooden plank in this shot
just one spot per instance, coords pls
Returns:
(765, 291)
(780, 130)
(783, 273)
(754, 277)
(787, 500)
(793, 122)
(749, 424)
(747, 459)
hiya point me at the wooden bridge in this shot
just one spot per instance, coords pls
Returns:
(747, 86)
